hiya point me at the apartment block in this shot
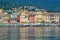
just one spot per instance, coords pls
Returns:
(51, 17)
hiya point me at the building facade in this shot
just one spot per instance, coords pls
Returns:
(51, 17)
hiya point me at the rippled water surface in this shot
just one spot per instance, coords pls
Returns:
(30, 33)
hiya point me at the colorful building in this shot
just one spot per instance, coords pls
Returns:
(39, 18)
(24, 16)
(51, 17)
(31, 18)
(1, 12)
(5, 18)
(24, 21)
(24, 12)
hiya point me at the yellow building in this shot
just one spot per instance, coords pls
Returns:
(1, 12)
(39, 18)
(24, 17)
(24, 12)
(6, 16)
(24, 21)
(59, 18)
(12, 20)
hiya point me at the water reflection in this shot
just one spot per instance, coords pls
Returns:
(30, 33)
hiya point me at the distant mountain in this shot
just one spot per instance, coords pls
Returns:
(50, 5)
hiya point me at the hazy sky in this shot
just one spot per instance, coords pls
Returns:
(53, 5)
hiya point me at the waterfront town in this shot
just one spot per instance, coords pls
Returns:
(29, 15)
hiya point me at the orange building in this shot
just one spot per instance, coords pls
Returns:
(31, 18)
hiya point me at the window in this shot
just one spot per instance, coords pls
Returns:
(0, 17)
(51, 18)
(39, 18)
(51, 15)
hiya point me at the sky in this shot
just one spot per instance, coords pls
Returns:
(51, 5)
